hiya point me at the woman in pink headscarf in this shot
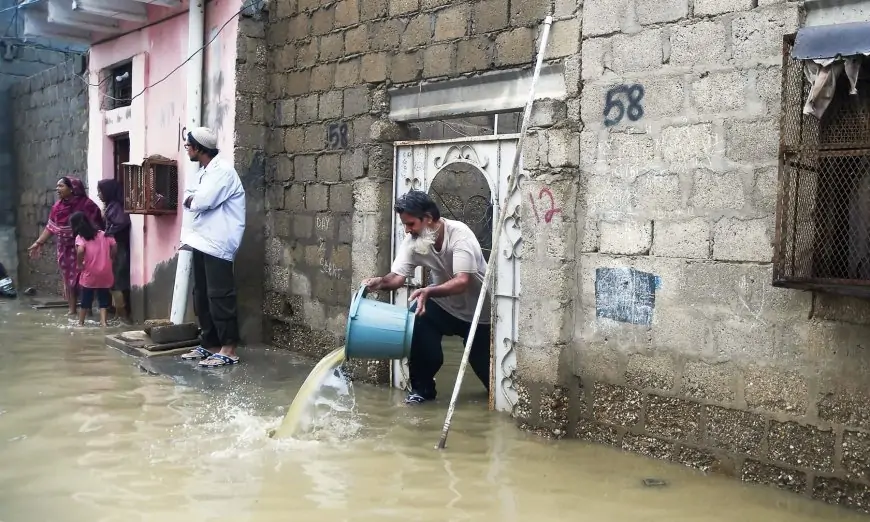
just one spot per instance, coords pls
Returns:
(72, 198)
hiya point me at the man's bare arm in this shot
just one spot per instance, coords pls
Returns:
(389, 282)
(457, 285)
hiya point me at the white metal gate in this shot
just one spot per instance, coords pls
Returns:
(417, 165)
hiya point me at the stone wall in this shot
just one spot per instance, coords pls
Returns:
(49, 118)
(331, 63)
(250, 125)
(680, 348)
(19, 60)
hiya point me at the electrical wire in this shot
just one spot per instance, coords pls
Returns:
(246, 5)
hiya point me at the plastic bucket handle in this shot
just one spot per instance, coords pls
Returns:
(357, 299)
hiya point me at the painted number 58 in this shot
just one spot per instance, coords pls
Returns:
(615, 109)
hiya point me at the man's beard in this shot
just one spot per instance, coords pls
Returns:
(425, 241)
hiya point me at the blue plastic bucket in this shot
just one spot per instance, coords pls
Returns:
(377, 330)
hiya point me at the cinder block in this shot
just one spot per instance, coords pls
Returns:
(438, 60)
(660, 11)
(346, 13)
(475, 54)
(689, 238)
(776, 390)
(768, 85)
(650, 371)
(419, 31)
(856, 454)
(627, 237)
(699, 43)
(452, 22)
(329, 167)
(801, 446)
(780, 477)
(331, 105)
(752, 141)
(735, 431)
(604, 16)
(637, 52)
(406, 67)
(317, 197)
(673, 418)
(719, 92)
(743, 339)
(356, 101)
(563, 148)
(399, 7)
(743, 240)
(515, 47)
(347, 72)
(356, 39)
(489, 16)
(717, 190)
(595, 53)
(659, 194)
(709, 382)
(757, 35)
(716, 7)
(687, 145)
(331, 46)
(565, 36)
(374, 67)
(616, 405)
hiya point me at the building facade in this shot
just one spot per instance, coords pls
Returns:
(635, 303)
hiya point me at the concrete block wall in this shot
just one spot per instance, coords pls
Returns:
(21, 62)
(329, 203)
(680, 347)
(49, 117)
(250, 162)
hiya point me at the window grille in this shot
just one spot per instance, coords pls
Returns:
(822, 237)
(151, 188)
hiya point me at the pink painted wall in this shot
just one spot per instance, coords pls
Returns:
(155, 119)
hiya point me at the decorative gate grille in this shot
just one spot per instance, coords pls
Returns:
(823, 209)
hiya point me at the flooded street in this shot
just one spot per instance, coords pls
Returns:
(86, 434)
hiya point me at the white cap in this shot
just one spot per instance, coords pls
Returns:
(205, 137)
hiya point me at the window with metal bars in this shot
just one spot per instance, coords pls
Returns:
(120, 91)
(823, 203)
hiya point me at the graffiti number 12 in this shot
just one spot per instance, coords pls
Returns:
(552, 211)
(634, 110)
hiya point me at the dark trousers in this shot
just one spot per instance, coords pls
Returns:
(427, 355)
(214, 300)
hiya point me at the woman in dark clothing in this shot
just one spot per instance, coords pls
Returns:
(111, 194)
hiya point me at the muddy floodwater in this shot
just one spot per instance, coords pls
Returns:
(88, 434)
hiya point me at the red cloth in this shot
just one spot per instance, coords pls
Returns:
(58, 224)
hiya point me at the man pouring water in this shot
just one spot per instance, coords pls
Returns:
(451, 252)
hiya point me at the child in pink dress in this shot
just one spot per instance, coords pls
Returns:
(94, 254)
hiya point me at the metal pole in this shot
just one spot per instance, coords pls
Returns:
(194, 69)
(545, 35)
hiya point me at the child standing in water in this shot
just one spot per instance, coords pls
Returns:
(94, 254)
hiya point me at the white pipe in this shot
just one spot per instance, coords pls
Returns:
(194, 68)
(493, 255)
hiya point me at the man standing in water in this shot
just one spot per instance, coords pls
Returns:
(451, 252)
(218, 206)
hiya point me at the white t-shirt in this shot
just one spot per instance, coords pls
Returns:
(460, 253)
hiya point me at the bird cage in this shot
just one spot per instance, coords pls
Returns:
(152, 187)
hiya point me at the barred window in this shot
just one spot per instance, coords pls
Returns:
(822, 237)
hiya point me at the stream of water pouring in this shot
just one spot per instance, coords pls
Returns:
(307, 394)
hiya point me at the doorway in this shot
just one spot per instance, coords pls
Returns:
(468, 178)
